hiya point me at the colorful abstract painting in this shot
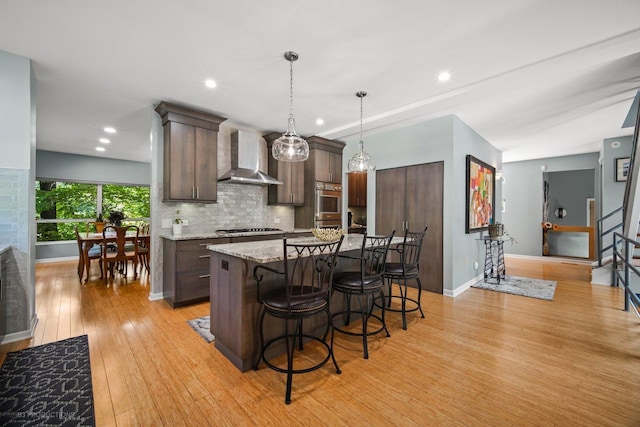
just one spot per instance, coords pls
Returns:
(480, 195)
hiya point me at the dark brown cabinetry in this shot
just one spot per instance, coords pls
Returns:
(324, 165)
(190, 153)
(186, 270)
(357, 189)
(291, 192)
(412, 197)
(328, 166)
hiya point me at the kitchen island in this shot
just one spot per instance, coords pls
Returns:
(234, 305)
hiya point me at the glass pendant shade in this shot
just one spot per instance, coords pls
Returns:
(361, 161)
(290, 147)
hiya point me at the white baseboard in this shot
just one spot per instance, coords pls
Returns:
(66, 258)
(460, 289)
(21, 335)
(156, 296)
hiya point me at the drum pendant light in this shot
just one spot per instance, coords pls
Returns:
(361, 161)
(290, 147)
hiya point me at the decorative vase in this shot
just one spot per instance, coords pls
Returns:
(545, 243)
(99, 226)
(177, 229)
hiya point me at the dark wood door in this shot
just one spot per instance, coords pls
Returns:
(412, 197)
(357, 189)
(390, 201)
(425, 187)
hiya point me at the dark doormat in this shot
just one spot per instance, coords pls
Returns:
(48, 385)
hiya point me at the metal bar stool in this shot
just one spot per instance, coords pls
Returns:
(407, 269)
(367, 284)
(302, 291)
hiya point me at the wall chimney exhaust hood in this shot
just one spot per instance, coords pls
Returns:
(245, 161)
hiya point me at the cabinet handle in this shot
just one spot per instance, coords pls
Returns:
(204, 276)
(197, 192)
(204, 256)
(193, 192)
(204, 244)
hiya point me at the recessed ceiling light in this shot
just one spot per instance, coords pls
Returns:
(100, 149)
(210, 83)
(110, 130)
(104, 140)
(320, 122)
(444, 76)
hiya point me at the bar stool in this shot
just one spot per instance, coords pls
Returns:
(302, 291)
(407, 269)
(366, 283)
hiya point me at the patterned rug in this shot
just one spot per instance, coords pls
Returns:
(202, 326)
(534, 288)
(48, 385)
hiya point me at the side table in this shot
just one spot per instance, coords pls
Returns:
(494, 268)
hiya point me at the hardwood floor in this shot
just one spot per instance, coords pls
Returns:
(480, 359)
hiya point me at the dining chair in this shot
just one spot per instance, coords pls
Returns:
(122, 254)
(402, 272)
(300, 291)
(366, 283)
(144, 248)
(95, 252)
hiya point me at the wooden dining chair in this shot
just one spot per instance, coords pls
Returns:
(123, 253)
(143, 248)
(94, 252)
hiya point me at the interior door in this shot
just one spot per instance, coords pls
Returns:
(425, 188)
(390, 201)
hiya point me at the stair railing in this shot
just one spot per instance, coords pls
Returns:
(623, 268)
(602, 234)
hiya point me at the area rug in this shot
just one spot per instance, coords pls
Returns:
(202, 326)
(48, 385)
(534, 288)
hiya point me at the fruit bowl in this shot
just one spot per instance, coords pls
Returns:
(327, 234)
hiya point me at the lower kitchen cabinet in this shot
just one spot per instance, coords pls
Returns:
(186, 270)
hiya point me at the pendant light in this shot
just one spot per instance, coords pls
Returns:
(290, 147)
(361, 161)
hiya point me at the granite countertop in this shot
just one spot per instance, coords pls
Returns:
(213, 234)
(4, 248)
(271, 250)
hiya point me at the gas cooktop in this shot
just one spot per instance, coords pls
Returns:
(247, 230)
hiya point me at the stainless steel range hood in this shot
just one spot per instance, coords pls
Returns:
(245, 161)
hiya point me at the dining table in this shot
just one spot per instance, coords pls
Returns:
(90, 239)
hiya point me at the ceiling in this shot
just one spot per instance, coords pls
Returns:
(534, 78)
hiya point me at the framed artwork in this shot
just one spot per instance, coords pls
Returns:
(622, 168)
(481, 195)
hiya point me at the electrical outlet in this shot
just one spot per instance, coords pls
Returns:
(166, 223)
(276, 220)
(185, 222)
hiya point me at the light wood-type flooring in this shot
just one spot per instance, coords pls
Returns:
(480, 359)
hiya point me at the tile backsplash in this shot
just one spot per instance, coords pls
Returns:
(239, 206)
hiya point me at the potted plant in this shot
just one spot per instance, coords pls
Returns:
(177, 224)
(100, 223)
(116, 217)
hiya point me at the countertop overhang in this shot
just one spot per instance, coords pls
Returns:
(271, 250)
(216, 234)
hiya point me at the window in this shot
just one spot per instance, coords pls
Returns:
(61, 206)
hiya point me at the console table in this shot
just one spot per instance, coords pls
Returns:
(494, 268)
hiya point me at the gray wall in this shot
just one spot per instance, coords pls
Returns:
(73, 167)
(522, 192)
(446, 139)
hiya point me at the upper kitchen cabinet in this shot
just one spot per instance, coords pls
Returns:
(327, 156)
(190, 153)
(291, 192)
(357, 189)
